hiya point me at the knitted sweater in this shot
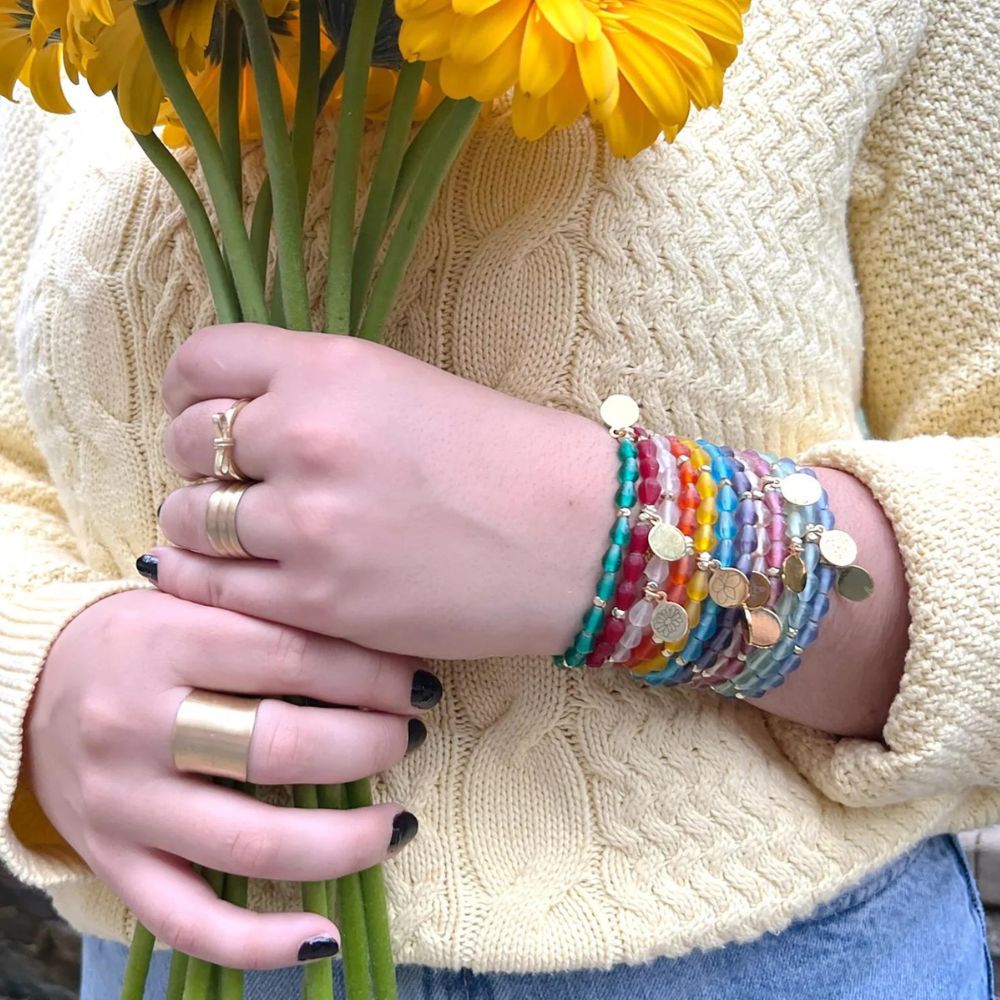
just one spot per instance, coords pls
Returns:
(827, 238)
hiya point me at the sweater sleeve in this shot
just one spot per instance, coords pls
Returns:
(44, 582)
(924, 233)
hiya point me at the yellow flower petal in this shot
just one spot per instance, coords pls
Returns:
(673, 33)
(192, 30)
(408, 8)
(571, 19)
(567, 100)
(711, 17)
(704, 83)
(51, 13)
(470, 8)
(139, 90)
(630, 128)
(14, 52)
(427, 38)
(598, 68)
(651, 72)
(476, 38)
(544, 56)
(528, 116)
(43, 72)
(487, 80)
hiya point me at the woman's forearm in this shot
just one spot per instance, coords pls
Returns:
(851, 674)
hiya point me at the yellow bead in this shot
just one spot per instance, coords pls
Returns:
(707, 486)
(675, 647)
(694, 616)
(648, 666)
(704, 538)
(698, 586)
(700, 457)
(708, 511)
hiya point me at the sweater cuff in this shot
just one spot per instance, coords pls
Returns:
(942, 736)
(29, 624)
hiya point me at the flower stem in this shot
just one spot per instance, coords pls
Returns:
(192, 115)
(280, 167)
(220, 281)
(351, 915)
(343, 198)
(230, 73)
(231, 980)
(318, 975)
(383, 968)
(306, 98)
(436, 160)
(178, 973)
(137, 968)
(198, 977)
(378, 206)
(427, 136)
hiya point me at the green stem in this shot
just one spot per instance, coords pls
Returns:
(137, 968)
(230, 73)
(220, 281)
(178, 973)
(351, 914)
(280, 167)
(383, 967)
(318, 975)
(306, 98)
(343, 198)
(198, 978)
(227, 205)
(330, 77)
(427, 137)
(437, 160)
(377, 208)
(231, 980)
(260, 229)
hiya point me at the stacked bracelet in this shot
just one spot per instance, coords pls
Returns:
(726, 575)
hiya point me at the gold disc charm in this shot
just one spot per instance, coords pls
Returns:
(760, 591)
(668, 542)
(838, 548)
(801, 490)
(855, 583)
(793, 572)
(763, 626)
(729, 588)
(620, 412)
(670, 622)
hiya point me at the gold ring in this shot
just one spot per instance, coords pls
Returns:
(220, 520)
(224, 466)
(212, 734)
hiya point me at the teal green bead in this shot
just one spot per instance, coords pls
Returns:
(574, 659)
(584, 642)
(606, 588)
(626, 496)
(629, 472)
(593, 620)
(627, 449)
(621, 532)
(784, 648)
(613, 559)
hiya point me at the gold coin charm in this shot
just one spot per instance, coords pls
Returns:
(763, 626)
(620, 412)
(670, 622)
(729, 588)
(855, 583)
(801, 490)
(668, 542)
(760, 591)
(793, 572)
(838, 548)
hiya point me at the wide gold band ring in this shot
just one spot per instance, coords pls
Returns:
(224, 466)
(212, 734)
(220, 520)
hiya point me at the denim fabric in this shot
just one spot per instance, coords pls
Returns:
(913, 931)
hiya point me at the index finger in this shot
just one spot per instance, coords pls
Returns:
(236, 361)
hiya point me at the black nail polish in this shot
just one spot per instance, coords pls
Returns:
(404, 829)
(148, 566)
(417, 734)
(426, 691)
(318, 947)
(158, 509)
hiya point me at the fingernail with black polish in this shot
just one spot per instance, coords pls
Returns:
(426, 692)
(318, 947)
(158, 509)
(148, 566)
(417, 734)
(404, 829)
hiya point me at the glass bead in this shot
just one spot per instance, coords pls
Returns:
(786, 467)
(708, 511)
(640, 537)
(656, 570)
(721, 469)
(678, 448)
(783, 648)
(646, 650)
(688, 474)
(688, 498)
(700, 457)
(795, 522)
(825, 517)
(574, 659)
(747, 538)
(606, 586)
(649, 467)
(599, 655)
(827, 576)
(677, 594)
(821, 606)
(613, 559)
(726, 552)
(650, 491)
(707, 486)
(641, 614)
(697, 587)
(777, 554)
(728, 500)
(593, 620)
(646, 448)
(627, 449)
(634, 566)
(810, 556)
(811, 589)
(800, 615)
(808, 635)
(704, 538)
(629, 471)
(745, 563)
(680, 571)
(626, 595)
(776, 531)
(773, 501)
(746, 512)
(741, 484)
(687, 522)
(632, 637)
(621, 532)
(613, 631)
(727, 528)
(585, 642)
(626, 496)
(693, 649)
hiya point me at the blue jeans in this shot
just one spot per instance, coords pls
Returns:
(913, 931)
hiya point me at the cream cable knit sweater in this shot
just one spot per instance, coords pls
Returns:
(572, 820)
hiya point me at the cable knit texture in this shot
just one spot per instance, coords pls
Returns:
(828, 236)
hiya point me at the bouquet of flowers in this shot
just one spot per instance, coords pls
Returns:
(220, 74)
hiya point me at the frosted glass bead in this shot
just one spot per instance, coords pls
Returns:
(593, 620)
(727, 528)
(707, 487)
(613, 559)
(704, 538)
(726, 552)
(626, 496)
(708, 511)
(656, 570)
(641, 614)
(810, 556)
(697, 587)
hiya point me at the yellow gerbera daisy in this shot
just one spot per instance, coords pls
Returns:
(637, 65)
(31, 53)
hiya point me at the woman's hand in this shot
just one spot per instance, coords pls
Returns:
(399, 506)
(100, 763)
